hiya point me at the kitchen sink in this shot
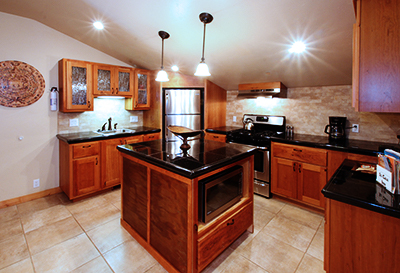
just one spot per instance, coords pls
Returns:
(114, 132)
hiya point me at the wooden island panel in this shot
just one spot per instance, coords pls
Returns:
(134, 196)
(169, 215)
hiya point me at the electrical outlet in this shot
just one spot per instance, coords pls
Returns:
(36, 183)
(234, 118)
(73, 122)
(133, 119)
(355, 128)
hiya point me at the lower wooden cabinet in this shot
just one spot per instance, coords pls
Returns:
(215, 137)
(86, 168)
(299, 173)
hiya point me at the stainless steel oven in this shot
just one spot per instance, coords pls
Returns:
(261, 172)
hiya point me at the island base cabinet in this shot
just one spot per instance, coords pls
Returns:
(360, 240)
(213, 243)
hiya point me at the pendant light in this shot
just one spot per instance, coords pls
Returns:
(202, 68)
(162, 76)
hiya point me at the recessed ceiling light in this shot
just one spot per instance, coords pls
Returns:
(98, 25)
(175, 68)
(297, 47)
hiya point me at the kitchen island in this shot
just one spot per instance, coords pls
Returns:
(160, 197)
(362, 223)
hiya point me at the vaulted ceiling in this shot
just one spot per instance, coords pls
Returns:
(247, 41)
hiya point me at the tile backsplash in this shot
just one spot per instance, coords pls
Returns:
(104, 108)
(308, 110)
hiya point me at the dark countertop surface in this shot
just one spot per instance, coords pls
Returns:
(203, 156)
(223, 130)
(361, 190)
(92, 136)
(350, 145)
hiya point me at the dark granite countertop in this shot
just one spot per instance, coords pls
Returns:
(350, 145)
(223, 130)
(360, 189)
(92, 136)
(203, 156)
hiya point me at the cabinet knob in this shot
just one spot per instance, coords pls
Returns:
(299, 168)
(294, 167)
(229, 224)
(297, 150)
(86, 146)
(97, 161)
(88, 104)
(116, 90)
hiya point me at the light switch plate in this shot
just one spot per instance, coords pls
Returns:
(134, 119)
(234, 118)
(73, 122)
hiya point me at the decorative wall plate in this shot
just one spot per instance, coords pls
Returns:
(20, 84)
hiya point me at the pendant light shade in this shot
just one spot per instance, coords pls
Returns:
(162, 76)
(202, 68)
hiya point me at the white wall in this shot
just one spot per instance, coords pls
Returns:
(36, 156)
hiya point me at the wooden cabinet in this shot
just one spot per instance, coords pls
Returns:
(75, 84)
(376, 56)
(150, 137)
(299, 173)
(215, 137)
(79, 168)
(141, 92)
(112, 80)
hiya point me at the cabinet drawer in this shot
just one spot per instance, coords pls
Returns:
(86, 149)
(300, 153)
(150, 137)
(217, 240)
(216, 137)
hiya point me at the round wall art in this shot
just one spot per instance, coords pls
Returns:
(20, 84)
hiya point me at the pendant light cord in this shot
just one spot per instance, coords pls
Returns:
(204, 42)
(162, 54)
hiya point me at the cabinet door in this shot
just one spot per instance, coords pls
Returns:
(103, 79)
(110, 175)
(86, 175)
(311, 180)
(284, 177)
(141, 92)
(124, 81)
(75, 82)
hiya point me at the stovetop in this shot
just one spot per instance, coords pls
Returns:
(264, 128)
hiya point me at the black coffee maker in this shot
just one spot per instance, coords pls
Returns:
(336, 128)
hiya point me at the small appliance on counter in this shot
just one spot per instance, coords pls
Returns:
(336, 129)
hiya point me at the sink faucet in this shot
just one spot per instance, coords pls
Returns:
(109, 124)
(103, 128)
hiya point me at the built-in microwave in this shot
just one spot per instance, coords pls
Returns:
(219, 192)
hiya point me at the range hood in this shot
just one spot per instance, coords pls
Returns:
(265, 89)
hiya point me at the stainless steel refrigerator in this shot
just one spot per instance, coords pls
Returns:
(182, 107)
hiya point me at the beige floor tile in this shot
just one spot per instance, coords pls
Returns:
(118, 205)
(97, 265)
(10, 228)
(24, 266)
(157, 269)
(52, 234)
(66, 256)
(261, 218)
(243, 240)
(316, 248)
(290, 232)
(97, 216)
(310, 264)
(109, 235)
(64, 198)
(38, 204)
(44, 217)
(8, 213)
(220, 262)
(270, 204)
(302, 216)
(272, 255)
(12, 250)
(113, 196)
(87, 204)
(237, 263)
(130, 255)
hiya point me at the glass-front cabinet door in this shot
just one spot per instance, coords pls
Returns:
(75, 86)
(102, 79)
(112, 80)
(142, 89)
(124, 81)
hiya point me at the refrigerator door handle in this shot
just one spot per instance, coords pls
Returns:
(166, 102)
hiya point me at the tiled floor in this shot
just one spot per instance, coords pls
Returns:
(52, 234)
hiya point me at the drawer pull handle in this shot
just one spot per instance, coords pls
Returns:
(297, 150)
(229, 224)
(294, 167)
(97, 162)
(299, 168)
(215, 136)
(87, 146)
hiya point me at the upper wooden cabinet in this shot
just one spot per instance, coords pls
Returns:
(141, 92)
(112, 80)
(376, 56)
(75, 84)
